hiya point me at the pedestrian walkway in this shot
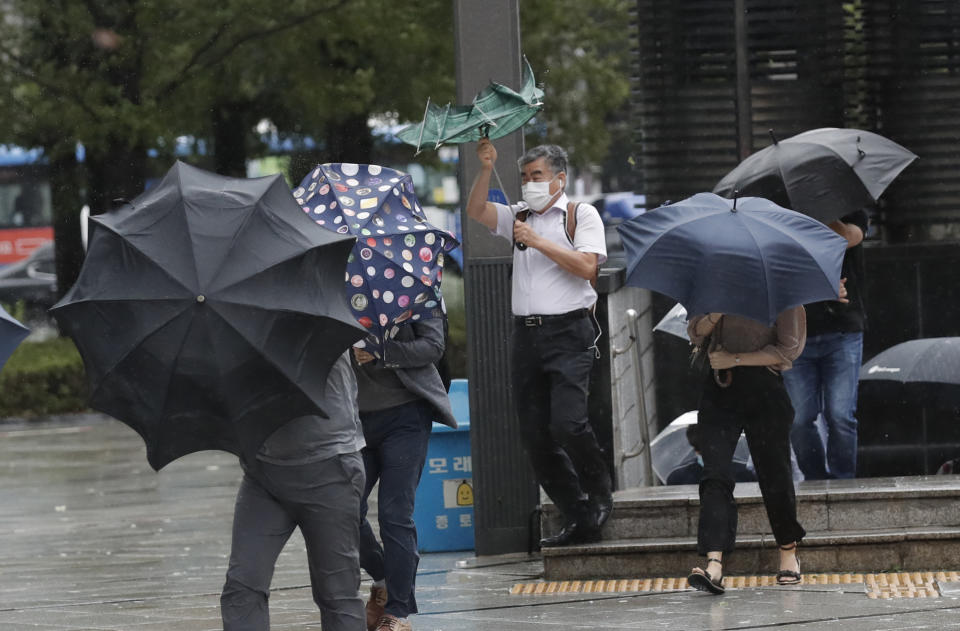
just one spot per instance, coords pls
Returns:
(91, 538)
(873, 585)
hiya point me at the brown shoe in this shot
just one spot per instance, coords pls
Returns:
(392, 623)
(378, 598)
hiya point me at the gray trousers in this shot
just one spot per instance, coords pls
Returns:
(323, 500)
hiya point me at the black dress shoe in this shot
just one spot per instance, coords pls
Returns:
(603, 508)
(572, 532)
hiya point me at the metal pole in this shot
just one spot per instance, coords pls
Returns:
(633, 320)
(488, 48)
(744, 105)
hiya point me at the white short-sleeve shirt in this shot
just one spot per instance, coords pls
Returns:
(540, 286)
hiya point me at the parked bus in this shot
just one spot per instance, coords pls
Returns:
(26, 212)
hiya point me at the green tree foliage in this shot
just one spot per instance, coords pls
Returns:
(128, 77)
(580, 52)
(43, 378)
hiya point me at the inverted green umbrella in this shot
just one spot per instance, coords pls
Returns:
(495, 112)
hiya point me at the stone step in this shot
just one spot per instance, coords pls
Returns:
(824, 506)
(902, 549)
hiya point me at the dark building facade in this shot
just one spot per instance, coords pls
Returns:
(712, 79)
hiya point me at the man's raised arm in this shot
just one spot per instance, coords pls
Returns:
(478, 208)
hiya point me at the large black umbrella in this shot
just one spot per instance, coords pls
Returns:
(208, 312)
(924, 371)
(824, 173)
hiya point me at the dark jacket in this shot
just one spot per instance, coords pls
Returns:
(412, 353)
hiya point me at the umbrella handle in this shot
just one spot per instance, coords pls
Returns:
(725, 381)
(525, 213)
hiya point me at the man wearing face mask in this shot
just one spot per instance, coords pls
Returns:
(554, 339)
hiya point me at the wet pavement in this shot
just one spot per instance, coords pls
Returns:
(92, 538)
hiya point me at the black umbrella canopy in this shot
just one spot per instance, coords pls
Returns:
(823, 173)
(926, 370)
(208, 312)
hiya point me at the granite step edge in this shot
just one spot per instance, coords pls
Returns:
(839, 538)
(833, 491)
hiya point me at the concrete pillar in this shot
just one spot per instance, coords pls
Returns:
(488, 48)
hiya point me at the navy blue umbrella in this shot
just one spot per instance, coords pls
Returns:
(11, 334)
(396, 267)
(747, 256)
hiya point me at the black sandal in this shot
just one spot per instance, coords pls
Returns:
(789, 577)
(704, 582)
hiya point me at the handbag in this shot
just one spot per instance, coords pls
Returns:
(728, 374)
(700, 358)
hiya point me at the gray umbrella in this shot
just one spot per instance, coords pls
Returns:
(674, 322)
(824, 173)
(671, 450)
(925, 370)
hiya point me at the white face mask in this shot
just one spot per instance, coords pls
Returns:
(537, 194)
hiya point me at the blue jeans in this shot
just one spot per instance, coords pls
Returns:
(824, 380)
(397, 440)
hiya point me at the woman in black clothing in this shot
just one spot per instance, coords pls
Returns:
(744, 392)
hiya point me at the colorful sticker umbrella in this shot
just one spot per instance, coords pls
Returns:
(395, 268)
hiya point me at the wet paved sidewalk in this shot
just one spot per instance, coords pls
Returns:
(92, 538)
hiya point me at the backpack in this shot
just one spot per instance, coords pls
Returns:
(570, 218)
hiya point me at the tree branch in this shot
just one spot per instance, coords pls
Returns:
(23, 70)
(94, 9)
(184, 74)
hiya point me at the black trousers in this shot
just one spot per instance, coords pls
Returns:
(757, 404)
(551, 375)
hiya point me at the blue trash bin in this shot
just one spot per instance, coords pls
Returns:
(443, 511)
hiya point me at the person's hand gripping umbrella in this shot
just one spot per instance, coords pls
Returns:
(495, 112)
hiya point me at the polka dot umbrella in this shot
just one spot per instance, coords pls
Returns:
(396, 267)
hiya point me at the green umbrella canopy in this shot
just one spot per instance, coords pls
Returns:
(495, 112)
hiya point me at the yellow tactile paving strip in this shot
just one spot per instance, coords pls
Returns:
(880, 585)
